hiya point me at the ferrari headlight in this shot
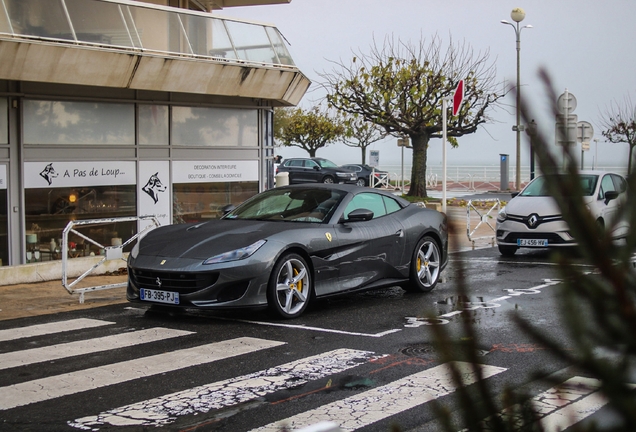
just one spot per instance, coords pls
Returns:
(135, 250)
(502, 216)
(236, 254)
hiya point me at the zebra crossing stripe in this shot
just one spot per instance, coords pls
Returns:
(60, 351)
(89, 379)
(50, 328)
(374, 405)
(164, 410)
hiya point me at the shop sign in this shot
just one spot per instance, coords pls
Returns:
(3, 176)
(78, 174)
(214, 171)
(153, 192)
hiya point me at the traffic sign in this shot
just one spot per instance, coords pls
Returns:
(458, 97)
(584, 133)
(565, 129)
(566, 102)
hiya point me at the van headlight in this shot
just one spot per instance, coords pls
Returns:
(502, 215)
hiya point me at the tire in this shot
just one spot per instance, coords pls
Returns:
(426, 266)
(507, 251)
(328, 179)
(289, 288)
(361, 182)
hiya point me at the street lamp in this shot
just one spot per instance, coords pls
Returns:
(517, 16)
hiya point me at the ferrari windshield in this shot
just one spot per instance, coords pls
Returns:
(538, 187)
(290, 204)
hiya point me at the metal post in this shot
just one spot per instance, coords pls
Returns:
(518, 128)
(444, 102)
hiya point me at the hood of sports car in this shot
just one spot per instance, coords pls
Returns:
(207, 239)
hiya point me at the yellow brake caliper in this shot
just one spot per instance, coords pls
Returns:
(298, 286)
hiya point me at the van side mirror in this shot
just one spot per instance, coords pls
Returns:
(610, 195)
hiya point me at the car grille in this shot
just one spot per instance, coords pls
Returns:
(533, 221)
(182, 283)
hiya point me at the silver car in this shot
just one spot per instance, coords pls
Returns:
(532, 219)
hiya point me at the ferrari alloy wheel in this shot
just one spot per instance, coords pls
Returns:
(425, 266)
(289, 287)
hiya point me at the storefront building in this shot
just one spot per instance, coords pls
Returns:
(126, 108)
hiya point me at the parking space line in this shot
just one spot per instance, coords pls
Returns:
(319, 329)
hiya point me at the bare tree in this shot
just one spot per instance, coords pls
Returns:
(400, 86)
(619, 124)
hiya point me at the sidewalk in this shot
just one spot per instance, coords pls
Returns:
(42, 298)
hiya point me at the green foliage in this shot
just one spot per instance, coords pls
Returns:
(309, 130)
(598, 310)
(361, 133)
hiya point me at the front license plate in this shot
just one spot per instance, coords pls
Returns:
(159, 296)
(532, 242)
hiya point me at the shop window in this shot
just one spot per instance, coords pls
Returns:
(4, 121)
(48, 211)
(214, 127)
(197, 202)
(92, 123)
(153, 124)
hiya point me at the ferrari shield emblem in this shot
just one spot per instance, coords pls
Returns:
(328, 235)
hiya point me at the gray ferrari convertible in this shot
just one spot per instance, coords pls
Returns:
(286, 246)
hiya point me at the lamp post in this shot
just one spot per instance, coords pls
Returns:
(517, 16)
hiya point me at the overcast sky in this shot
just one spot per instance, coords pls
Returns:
(587, 46)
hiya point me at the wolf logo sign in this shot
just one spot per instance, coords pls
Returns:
(49, 173)
(153, 187)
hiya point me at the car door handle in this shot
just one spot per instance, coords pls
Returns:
(399, 233)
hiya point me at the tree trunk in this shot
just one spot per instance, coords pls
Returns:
(629, 162)
(364, 154)
(418, 171)
(312, 152)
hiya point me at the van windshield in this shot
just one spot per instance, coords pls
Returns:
(538, 187)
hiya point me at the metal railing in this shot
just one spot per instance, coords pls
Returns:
(485, 218)
(113, 252)
(136, 26)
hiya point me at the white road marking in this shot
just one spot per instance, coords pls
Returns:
(50, 328)
(320, 329)
(75, 382)
(164, 410)
(374, 405)
(414, 322)
(107, 343)
(562, 406)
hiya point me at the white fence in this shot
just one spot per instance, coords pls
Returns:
(114, 252)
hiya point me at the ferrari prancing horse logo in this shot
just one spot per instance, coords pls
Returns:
(328, 235)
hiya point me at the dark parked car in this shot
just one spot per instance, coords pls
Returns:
(288, 245)
(315, 170)
(364, 174)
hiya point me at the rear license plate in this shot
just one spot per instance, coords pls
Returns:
(532, 242)
(159, 296)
